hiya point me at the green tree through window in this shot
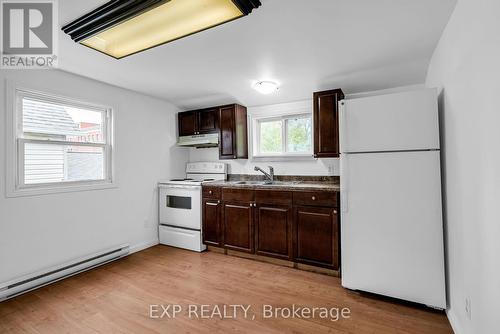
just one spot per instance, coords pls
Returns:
(270, 137)
(290, 134)
(299, 135)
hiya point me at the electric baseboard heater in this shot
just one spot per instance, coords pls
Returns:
(36, 280)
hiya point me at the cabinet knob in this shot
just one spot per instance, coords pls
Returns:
(335, 211)
(234, 157)
(313, 198)
(210, 192)
(218, 202)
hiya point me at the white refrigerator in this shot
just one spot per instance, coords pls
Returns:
(391, 215)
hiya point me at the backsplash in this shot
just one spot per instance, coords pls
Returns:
(247, 177)
(310, 167)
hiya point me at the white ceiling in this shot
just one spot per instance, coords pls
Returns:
(357, 45)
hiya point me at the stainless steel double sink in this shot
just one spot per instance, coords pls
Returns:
(266, 183)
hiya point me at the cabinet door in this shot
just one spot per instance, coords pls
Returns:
(187, 123)
(238, 226)
(316, 236)
(227, 145)
(326, 123)
(211, 222)
(273, 231)
(207, 120)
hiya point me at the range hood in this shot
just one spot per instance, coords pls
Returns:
(208, 140)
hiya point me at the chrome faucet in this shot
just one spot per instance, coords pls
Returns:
(269, 176)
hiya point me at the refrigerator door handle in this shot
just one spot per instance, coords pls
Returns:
(343, 201)
(343, 182)
(342, 127)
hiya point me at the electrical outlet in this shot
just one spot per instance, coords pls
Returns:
(331, 170)
(468, 308)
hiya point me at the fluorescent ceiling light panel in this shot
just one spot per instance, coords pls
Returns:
(124, 27)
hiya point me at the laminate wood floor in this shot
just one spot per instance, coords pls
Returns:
(116, 298)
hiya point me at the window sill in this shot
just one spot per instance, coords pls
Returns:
(298, 157)
(46, 189)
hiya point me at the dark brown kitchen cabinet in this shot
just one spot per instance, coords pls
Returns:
(238, 217)
(208, 120)
(273, 223)
(273, 230)
(211, 222)
(316, 235)
(187, 123)
(197, 122)
(211, 216)
(326, 123)
(238, 226)
(297, 226)
(233, 132)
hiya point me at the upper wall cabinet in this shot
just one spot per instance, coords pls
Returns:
(326, 123)
(187, 123)
(198, 122)
(233, 138)
(229, 121)
(208, 120)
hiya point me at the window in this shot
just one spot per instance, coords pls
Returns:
(60, 143)
(283, 136)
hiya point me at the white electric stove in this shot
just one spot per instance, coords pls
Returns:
(180, 205)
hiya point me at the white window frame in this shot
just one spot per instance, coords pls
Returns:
(281, 112)
(15, 185)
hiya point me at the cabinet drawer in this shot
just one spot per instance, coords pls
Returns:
(241, 195)
(211, 192)
(315, 198)
(273, 197)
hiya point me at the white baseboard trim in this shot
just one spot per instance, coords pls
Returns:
(143, 245)
(452, 318)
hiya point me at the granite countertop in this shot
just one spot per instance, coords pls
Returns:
(305, 185)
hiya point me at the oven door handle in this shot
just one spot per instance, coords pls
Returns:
(170, 186)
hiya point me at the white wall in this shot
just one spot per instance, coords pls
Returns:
(304, 166)
(41, 231)
(466, 66)
(322, 167)
(297, 167)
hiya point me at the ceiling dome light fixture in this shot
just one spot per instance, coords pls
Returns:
(120, 28)
(265, 87)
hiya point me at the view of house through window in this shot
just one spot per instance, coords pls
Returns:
(61, 143)
(287, 135)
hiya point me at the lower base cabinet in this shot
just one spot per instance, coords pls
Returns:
(238, 226)
(295, 226)
(211, 222)
(273, 231)
(316, 236)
